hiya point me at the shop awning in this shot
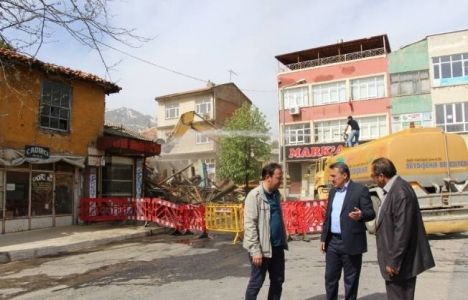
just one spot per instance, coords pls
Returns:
(12, 157)
(127, 146)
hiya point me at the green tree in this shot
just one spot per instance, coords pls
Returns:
(244, 145)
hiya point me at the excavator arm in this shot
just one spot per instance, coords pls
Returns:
(192, 120)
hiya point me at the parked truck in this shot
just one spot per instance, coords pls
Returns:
(434, 162)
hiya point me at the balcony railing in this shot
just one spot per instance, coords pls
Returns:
(336, 59)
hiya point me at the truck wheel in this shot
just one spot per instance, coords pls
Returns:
(375, 204)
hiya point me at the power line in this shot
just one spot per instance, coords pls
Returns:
(154, 64)
(177, 72)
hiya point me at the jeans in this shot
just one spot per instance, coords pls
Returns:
(275, 268)
(353, 135)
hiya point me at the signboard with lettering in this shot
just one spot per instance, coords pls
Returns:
(314, 151)
(36, 151)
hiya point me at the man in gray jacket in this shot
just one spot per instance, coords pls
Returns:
(264, 234)
(403, 249)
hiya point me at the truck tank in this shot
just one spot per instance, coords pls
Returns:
(434, 162)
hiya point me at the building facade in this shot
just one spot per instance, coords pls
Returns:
(318, 89)
(49, 117)
(410, 87)
(448, 58)
(213, 105)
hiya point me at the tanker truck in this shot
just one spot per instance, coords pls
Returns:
(435, 163)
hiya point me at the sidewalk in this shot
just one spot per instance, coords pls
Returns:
(58, 240)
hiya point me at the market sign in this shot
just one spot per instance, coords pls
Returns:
(36, 151)
(313, 151)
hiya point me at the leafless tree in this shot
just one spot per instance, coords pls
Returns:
(26, 24)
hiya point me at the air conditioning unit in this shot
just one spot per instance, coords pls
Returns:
(295, 110)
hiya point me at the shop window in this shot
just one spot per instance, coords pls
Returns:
(63, 194)
(17, 194)
(117, 180)
(2, 188)
(41, 193)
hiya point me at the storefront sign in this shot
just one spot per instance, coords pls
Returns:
(313, 151)
(36, 151)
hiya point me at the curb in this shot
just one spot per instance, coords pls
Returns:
(9, 256)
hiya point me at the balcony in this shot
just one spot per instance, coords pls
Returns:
(336, 59)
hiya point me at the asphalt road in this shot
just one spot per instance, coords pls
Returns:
(184, 267)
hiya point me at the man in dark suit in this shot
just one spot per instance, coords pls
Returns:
(344, 232)
(403, 249)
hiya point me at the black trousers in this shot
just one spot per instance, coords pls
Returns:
(336, 260)
(401, 289)
(275, 268)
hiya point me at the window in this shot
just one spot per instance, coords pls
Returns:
(41, 193)
(117, 180)
(296, 97)
(452, 117)
(329, 131)
(55, 106)
(2, 188)
(450, 66)
(410, 83)
(63, 193)
(329, 93)
(332, 131)
(297, 134)
(203, 107)
(17, 194)
(172, 111)
(210, 165)
(202, 138)
(372, 127)
(368, 88)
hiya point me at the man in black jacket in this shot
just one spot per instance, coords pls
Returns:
(344, 232)
(403, 249)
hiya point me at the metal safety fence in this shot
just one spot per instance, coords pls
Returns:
(300, 217)
(225, 218)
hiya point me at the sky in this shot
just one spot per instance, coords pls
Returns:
(207, 38)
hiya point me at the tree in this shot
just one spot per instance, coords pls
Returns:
(26, 24)
(244, 145)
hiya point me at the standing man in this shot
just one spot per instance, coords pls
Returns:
(403, 249)
(354, 132)
(344, 231)
(264, 234)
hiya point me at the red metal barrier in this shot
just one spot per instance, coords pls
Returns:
(194, 217)
(314, 215)
(143, 208)
(106, 209)
(293, 214)
(301, 217)
(167, 214)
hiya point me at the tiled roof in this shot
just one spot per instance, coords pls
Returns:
(116, 130)
(14, 56)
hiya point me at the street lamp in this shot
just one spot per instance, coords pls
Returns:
(283, 130)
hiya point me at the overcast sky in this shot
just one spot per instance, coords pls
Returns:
(206, 38)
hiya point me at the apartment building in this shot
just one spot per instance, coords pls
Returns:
(318, 89)
(448, 59)
(410, 87)
(213, 104)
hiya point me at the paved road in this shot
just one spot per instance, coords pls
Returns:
(168, 267)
